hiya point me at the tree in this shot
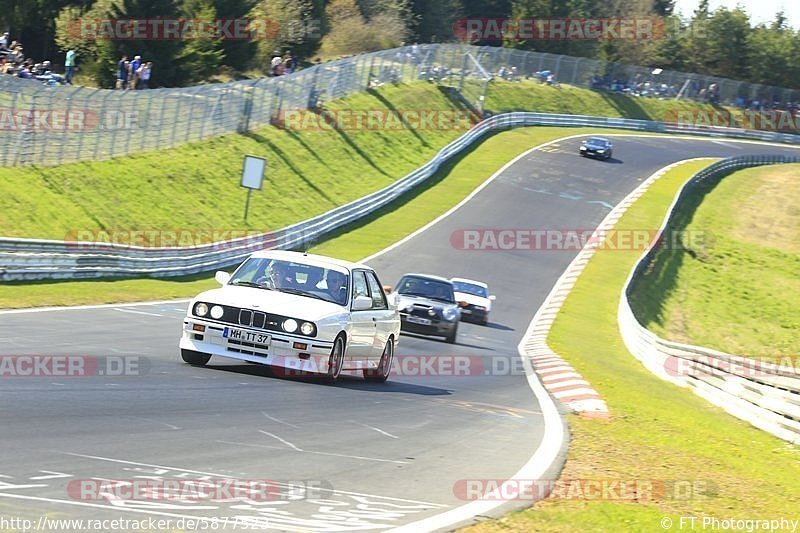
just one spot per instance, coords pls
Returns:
(351, 33)
(290, 24)
(238, 53)
(432, 20)
(163, 52)
(201, 56)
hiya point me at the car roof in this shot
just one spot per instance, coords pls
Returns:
(427, 276)
(308, 259)
(471, 281)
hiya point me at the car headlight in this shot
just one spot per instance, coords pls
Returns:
(450, 313)
(200, 309)
(307, 328)
(290, 325)
(217, 311)
(600, 151)
(432, 312)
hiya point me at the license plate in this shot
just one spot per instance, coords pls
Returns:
(418, 320)
(246, 336)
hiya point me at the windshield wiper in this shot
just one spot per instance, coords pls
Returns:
(242, 283)
(414, 294)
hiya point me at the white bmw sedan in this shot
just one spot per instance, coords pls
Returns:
(304, 313)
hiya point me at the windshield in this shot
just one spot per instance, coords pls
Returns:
(426, 287)
(595, 140)
(295, 278)
(471, 288)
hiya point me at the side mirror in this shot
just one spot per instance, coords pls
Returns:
(387, 289)
(492, 297)
(361, 303)
(222, 277)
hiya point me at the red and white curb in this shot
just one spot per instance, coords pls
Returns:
(559, 378)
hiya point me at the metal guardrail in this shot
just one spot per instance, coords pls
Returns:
(766, 395)
(47, 125)
(32, 259)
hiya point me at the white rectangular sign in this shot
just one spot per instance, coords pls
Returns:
(253, 172)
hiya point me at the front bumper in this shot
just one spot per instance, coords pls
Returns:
(472, 314)
(588, 152)
(280, 350)
(437, 326)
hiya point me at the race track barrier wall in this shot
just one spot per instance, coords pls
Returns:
(33, 259)
(764, 394)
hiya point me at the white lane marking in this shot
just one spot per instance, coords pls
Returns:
(190, 471)
(50, 475)
(93, 306)
(286, 442)
(314, 452)
(136, 312)
(153, 421)
(463, 202)
(727, 145)
(604, 204)
(379, 430)
(109, 507)
(280, 421)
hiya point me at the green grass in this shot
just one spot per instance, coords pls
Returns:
(529, 95)
(410, 212)
(657, 431)
(195, 187)
(735, 286)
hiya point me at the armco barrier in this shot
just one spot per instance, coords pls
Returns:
(767, 396)
(31, 259)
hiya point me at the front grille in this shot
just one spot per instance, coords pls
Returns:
(236, 316)
(255, 319)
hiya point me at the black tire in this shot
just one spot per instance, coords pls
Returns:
(451, 338)
(381, 374)
(335, 361)
(195, 358)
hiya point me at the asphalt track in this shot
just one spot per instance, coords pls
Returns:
(386, 455)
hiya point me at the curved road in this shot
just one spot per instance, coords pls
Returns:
(385, 455)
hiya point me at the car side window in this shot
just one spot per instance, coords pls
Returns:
(376, 292)
(359, 284)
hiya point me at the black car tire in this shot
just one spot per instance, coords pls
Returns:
(381, 374)
(335, 361)
(451, 338)
(195, 358)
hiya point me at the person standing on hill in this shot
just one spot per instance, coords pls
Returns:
(69, 66)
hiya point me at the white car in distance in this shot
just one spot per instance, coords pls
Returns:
(474, 299)
(301, 312)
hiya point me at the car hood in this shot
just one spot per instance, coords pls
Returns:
(271, 302)
(596, 146)
(404, 300)
(472, 299)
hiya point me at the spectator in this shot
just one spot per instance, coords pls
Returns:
(25, 72)
(4, 40)
(69, 65)
(276, 64)
(122, 72)
(144, 75)
(134, 71)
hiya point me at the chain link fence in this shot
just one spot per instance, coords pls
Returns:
(50, 125)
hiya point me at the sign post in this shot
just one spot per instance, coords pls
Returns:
(252, 177)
